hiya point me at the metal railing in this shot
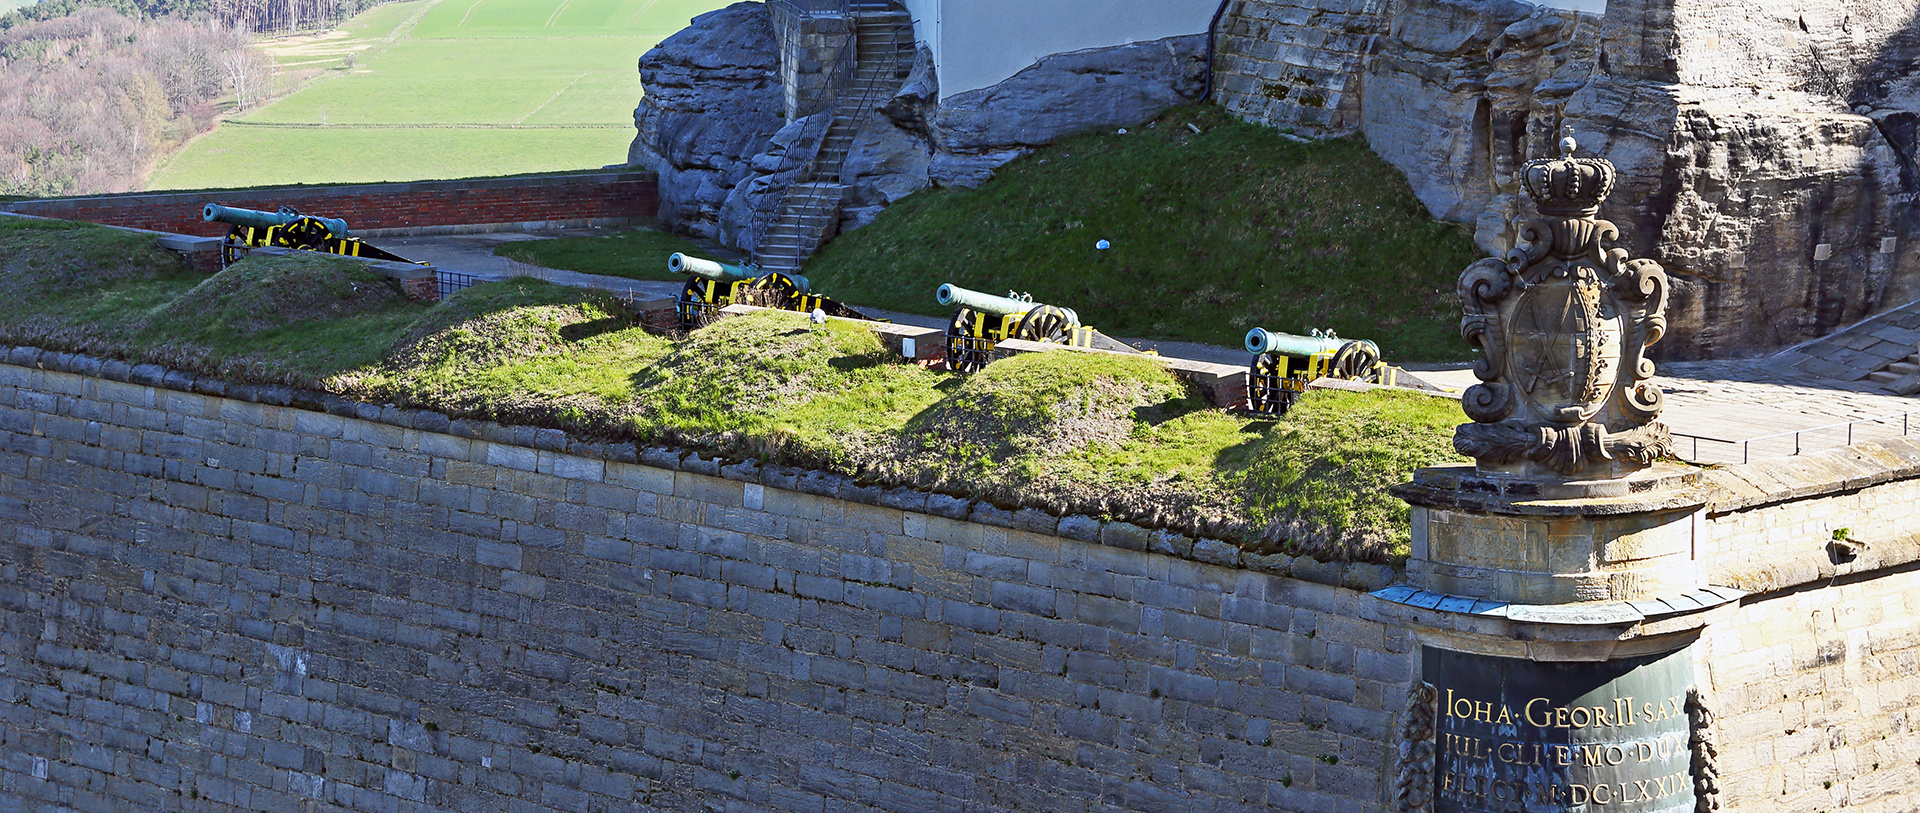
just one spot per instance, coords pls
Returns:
(447, 282)
(799, 158)
(809, 170)
(1906, 421)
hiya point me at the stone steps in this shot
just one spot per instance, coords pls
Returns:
(1875, 354)
(882, 58)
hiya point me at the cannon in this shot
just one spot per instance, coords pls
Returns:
(287, 228)
(1284, 363)
(714, 285)
(982, 321)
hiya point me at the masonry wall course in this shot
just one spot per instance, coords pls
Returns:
(360, 615)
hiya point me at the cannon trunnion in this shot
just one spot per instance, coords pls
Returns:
(714, 285)
(287, 228)
(1284, 363)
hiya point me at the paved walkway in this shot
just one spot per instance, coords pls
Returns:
(1720, 411)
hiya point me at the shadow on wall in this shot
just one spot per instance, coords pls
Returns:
(1888, 91)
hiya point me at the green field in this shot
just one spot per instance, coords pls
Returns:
(445, 89)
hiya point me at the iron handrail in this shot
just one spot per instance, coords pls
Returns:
(800, 161)
(863, 108)
(1746, 444)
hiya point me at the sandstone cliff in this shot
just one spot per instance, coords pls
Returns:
(1766, 151)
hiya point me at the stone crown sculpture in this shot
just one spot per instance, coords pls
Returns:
(1564, 322)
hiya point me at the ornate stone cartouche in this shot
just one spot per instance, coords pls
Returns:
(1563, 323)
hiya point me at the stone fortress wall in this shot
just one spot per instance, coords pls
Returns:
(220, 597)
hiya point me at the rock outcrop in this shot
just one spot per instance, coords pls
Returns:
(1102, 88)
(1766, 152)
(712, 125)
(713, 101)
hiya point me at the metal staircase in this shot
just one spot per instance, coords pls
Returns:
(882, 54)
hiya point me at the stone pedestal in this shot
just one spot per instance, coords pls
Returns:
(1555, 618)
(1528, 541)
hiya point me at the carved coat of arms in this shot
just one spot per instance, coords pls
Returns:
(1564, 322)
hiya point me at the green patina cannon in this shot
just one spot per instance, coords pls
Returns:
(1284, 363)
(714, 285)
(984, 320)
(287, 228)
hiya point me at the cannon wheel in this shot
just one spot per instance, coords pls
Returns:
(774, 290)
(1267, 392)
(1356, 361)
(306, 234)
(1045, 324)
(694, 309)
(232, 247)
(966, 352)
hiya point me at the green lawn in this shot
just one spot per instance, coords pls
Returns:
(636, 254)
(1211, 234)
(446, 89)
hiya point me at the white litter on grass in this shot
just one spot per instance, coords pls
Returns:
(1194, 127)
(1103, 245)
(1123, 131)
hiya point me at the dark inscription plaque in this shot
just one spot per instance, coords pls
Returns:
(1517, 736)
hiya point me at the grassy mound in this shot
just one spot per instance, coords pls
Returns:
(42, 258)
(260, 295)
(1211, 233)
(490, 324)
(636, 254)
(1004, 426)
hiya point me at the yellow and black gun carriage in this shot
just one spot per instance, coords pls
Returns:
(287, 228)
(715, 285)
(983, 321)
(1284, 363)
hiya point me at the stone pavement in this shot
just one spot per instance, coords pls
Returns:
(1720, 411)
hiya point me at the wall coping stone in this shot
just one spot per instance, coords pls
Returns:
(1810, 476)
(1356, 576)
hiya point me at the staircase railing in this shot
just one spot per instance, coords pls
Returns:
(863, 108)
(805, 150)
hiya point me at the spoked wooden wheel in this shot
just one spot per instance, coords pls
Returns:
(693, 307)
(1267, 391)
(1045, 324)
(966, 352)
(1357, 361)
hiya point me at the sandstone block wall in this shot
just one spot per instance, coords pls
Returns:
(221, 604)
(226, 598)
(1296, 64)
(592, 199)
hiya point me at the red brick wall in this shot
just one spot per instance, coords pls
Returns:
(609, 196)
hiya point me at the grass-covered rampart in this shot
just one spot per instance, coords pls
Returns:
(1108, 436)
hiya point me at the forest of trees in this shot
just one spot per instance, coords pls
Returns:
(266, 16)
(88, 101)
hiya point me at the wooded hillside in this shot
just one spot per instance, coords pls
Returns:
(89, 100)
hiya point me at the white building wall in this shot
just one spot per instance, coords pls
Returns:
(979, 43)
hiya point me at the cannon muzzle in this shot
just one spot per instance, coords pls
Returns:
(255, 218)
(718, 271)
(1260, 340)
(950, 294)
